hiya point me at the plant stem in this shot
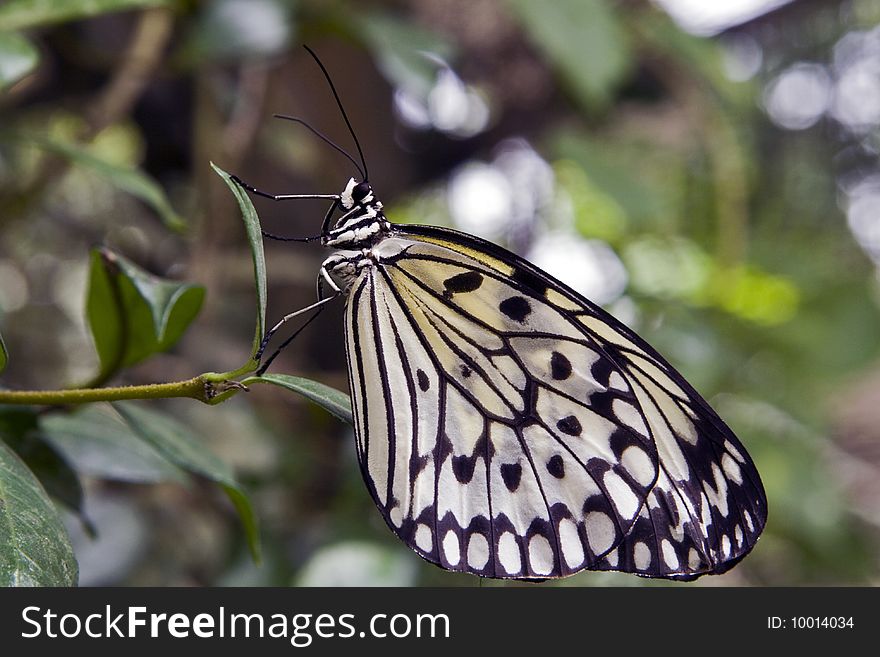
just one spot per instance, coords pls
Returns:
(200, 388)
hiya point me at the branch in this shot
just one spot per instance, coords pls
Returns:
(206, 388)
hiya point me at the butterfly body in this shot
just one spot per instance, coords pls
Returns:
(508, 427)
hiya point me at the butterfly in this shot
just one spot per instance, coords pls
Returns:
(508, 427)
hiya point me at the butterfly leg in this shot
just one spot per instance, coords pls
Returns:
(278, 197)
(286, 319)
(318, 306)
(287, 197)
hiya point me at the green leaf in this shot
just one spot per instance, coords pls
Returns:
(23, 14)
(255, 239)
(172, 305)
(126, 178)
(18, 57)
(333, 400)
(133, 314)
(104, 315)
(35, 549)
(4, 355)
(98, 443)
(177, 444)
(585, 41)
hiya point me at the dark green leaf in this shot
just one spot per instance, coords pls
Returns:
(35, 549)
(53, 471)
(584, 40)
(18, 57)
(133, 314)
(176, 443)
(23, 14)
(16, 422)
(333, 400)
(98, 443)
(255, 239)
(130, 180)
(19, 429)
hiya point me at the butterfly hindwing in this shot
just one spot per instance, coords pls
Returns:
(508, 427)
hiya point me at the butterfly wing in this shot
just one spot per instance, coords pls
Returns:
(508, 427)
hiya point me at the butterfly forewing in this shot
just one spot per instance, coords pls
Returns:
(508, 427)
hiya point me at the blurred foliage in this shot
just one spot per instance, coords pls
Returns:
(593, 119)
(25, 14)
(18, 57)
(584, 40)
(177, 444)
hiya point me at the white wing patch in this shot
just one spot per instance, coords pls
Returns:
(509, 428)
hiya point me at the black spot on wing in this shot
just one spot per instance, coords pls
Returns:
(560, 366)
(465, 282)
(465, 371)
(517, 308)
(622, 438)
(530, 281)
(424, 384)
(602, 369)
(570, 425)
(602, 402)
(463, 468)
(511, 473)
(556, 467)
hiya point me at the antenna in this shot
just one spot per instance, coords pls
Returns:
(341, 109)
(323, 138)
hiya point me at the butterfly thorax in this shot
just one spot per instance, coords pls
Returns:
(362, 222)
(361, 226)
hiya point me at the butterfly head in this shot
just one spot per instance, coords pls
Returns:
(356, 193)
(362, 222)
